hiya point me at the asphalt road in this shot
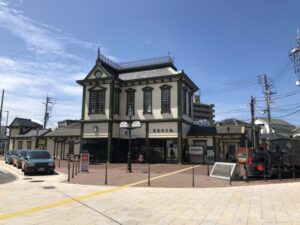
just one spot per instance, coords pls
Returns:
(6, 177)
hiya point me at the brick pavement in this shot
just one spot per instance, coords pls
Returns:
(117, 176)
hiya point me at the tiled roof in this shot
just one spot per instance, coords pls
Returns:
(232, 122)
(64, 133)
(147, 74)
(33, 133)
(21, 122)
(279, 125)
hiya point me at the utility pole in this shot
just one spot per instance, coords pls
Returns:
(48, 108)
(267, 86)
(1, 108)
(252, 102)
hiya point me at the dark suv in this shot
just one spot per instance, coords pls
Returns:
(38, 161)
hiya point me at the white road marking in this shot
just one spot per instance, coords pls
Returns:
(4, 171)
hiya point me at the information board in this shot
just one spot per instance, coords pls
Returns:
(84, 161)
(223, 170)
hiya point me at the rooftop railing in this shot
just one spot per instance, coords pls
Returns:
(137, 63)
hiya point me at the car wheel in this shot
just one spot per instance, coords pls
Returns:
(26, 173)
(51, 172)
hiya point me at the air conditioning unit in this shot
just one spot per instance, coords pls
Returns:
(298, 82)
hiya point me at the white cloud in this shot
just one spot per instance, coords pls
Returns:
(48, 68)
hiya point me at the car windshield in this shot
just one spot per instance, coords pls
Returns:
(23, 153)
(39, 155)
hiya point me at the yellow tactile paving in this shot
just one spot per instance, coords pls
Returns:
(71, 200)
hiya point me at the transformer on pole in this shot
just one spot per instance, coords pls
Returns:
(295, 56)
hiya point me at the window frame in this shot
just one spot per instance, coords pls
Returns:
(163, 89)
(29, 144)
(149, 91)
(20, 144)
(99, 101)
(190, 104)
(129, 92)
(117, 96)
(184, 103)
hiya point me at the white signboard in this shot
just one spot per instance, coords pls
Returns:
(196, 150)
(223, 170)
(124, 125)
(136, 124)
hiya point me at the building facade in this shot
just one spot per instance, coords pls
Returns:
(157, 94)
(65, 140)
(278, 126)
(26, 134)
(203, 111)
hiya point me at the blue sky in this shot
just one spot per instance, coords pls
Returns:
(223, 45)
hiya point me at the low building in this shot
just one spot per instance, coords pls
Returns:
(221, 141)
(151, 91)
(3, 140)
(278, 126)
(27, 134)
(296, 133)
(203, 112)
(65, 139)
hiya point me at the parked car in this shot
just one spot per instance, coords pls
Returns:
(9, 156)
(15, 157)
(20, 157)
(38, 161)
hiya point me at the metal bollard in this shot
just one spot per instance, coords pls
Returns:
(76, 166)
(246, 173)
(148, 174)
(58, 162)
(106, 173)
(294, 174)
(193, 175)
(229, 176)
(69, 170)
(279, 172)
(264, 170)
(73, 169)
(207, 169)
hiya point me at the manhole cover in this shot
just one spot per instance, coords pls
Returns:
(49, 187)
(27, 178)
(36, 181)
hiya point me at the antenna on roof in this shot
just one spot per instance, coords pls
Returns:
(98, 60)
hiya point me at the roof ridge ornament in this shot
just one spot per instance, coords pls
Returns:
(98, 60)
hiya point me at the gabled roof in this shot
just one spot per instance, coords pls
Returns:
(33, 133)
(296, 130)
(275, 121)
(232, 122)
(64, 133)
(22, 122)
(279, 125)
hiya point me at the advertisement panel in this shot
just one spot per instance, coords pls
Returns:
(84, 161)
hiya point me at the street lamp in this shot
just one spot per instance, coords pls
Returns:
(228, 153)
(129, 141)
